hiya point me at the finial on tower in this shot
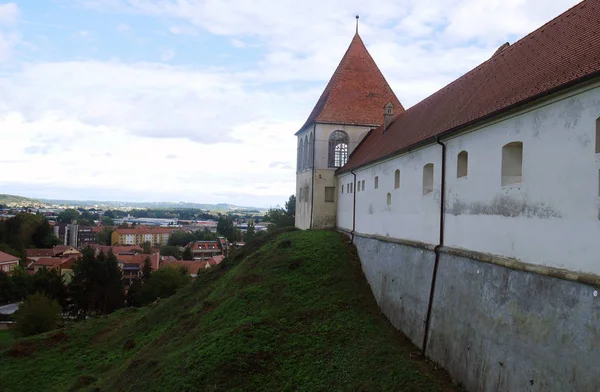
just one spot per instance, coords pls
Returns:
(357, 24)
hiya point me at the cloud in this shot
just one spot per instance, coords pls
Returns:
(280, 165)
(9, 13)
(230, 125)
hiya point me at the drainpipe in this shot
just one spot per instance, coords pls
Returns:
(353, 204)
(438, 247)
(312, 192)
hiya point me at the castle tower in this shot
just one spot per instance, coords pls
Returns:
(350, 106)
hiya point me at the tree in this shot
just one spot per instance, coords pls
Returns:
(7, 288)
(147, 269)
(290, 206)
(226, 228)
(163, 283)
(51, 284)
(108, 221)
(104, 237)
(188, 254)
(250, 232)
(68, 216)
(205, 235)
(97, 284)
(147, 248)
(133, 294)
(25, 231)
(170, 250)
(181, 238)
(36, 315)
(23, 283)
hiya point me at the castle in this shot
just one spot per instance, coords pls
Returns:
(476, 212)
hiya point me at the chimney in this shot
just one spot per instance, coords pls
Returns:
(388, 115)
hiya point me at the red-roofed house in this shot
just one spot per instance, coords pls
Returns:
(203, 250)
(475, 212)
(8, 262)
(193, 267)
(131, 264)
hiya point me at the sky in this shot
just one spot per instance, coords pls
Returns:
(199, 100)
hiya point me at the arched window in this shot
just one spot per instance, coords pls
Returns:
(598, 135)
(428, 178)
(512, 163)
(462, 164)
(300, 154)
(338, 149)
(389, 199)
(310, 151)
(397, 179)
(305, 153)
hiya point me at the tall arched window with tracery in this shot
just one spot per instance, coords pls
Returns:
(299, 160)
(311, 151)
(338, 149)
(300, 154)
(305, 153)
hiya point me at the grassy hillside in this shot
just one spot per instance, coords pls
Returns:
(294, 314)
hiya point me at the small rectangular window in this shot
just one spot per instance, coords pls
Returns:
(329, 194)
(363, 185)
(376, 182)
(342, 188)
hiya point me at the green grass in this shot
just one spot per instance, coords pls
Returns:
(5, 338)
(294, 314)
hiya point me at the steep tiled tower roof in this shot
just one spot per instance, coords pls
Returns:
(560, 54)
(356, 93)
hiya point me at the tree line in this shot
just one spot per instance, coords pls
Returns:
(96, 288)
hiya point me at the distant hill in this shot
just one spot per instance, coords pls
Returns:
(295, 314)
(12, 200)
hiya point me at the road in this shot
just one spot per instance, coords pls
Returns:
(9, 309)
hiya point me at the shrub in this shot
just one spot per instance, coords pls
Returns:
(37, 314)
(162, 283)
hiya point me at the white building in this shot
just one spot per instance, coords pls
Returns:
(476, 212)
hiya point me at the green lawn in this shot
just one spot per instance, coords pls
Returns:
(292, 313)
(5, 338)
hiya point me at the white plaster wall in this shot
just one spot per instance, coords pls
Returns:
(411, 215)
(552, 218)
(345, 201)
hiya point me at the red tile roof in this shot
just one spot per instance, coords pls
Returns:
(39, 252)
(563, 52)
(117, 249)
(139, 259)
(49, 262)
(356, 93)
(5, 257)
(193, 267)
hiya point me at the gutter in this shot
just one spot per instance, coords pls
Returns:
(437, 248)
(312, 191)
(353, 205)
